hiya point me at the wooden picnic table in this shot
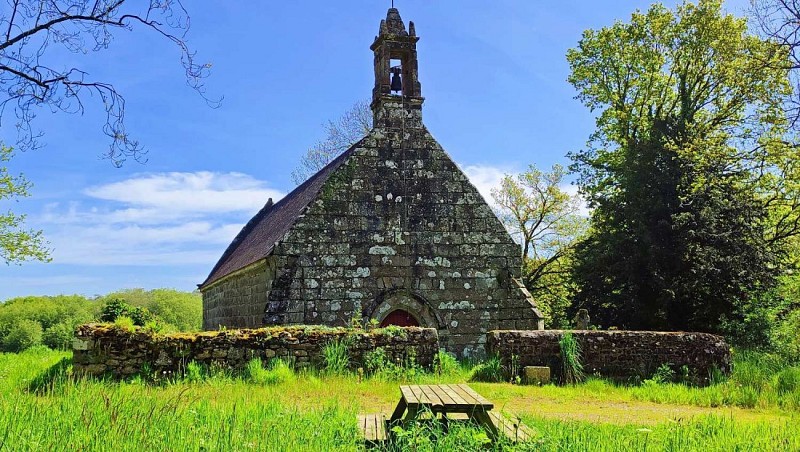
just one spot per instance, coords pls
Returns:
(444, 399)
(457, 400)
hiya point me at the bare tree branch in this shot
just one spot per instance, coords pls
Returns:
(34, 29)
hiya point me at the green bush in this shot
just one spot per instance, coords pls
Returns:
(59, 336)
(23, 335)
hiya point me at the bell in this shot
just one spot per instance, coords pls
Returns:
(397, 82)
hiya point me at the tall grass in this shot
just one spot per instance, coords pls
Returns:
(336, 355)
(307, 411)
(571, 361)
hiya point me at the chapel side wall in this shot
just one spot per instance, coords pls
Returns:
(402, 222)
(238, 301)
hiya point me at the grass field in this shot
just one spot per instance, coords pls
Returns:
(40, 410)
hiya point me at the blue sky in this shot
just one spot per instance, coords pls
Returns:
(493, 74)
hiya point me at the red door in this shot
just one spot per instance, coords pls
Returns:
(399, 318)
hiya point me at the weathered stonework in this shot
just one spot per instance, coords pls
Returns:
(391, 225)
(102, 349)
(619, 355)
(238, 300)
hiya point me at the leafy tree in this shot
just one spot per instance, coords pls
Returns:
(22, 336)
(545, 219)
(182, 310)
(692, 184)
(34, 31)
(352, 126)
(17, 244)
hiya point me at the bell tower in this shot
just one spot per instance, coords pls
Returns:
(396, 69)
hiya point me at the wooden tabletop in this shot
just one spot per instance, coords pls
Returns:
(445, 398)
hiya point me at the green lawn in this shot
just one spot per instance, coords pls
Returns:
(317, 412)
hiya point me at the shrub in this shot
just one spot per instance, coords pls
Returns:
(23, 335)
(59, 336)
(195, 372)
(116, 308)
(664, 374)
(571, 361)
(113, 309)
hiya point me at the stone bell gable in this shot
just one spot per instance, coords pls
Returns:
(391, 231)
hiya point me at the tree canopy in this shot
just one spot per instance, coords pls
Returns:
(690, 172)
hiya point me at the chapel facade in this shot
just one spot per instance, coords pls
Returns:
(390, 232)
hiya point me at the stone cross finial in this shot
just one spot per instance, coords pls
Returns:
(582, 320)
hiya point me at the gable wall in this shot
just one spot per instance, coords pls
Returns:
(401, 226)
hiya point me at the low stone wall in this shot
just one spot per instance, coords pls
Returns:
(618, 355)
(105, 349)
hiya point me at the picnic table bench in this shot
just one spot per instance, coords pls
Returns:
(452, 401)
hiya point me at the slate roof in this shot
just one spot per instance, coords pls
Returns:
(259, 236)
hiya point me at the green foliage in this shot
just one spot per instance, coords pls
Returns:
(23, 335)
(489, 371)
(571, 361)
(336, 355)
(692, 186)
(116, 309)
(124, 322)
(664, 374)
(59, 336)
(392, 331)
(17, 244)
(378, 366)
(545, 219)
(182, 310)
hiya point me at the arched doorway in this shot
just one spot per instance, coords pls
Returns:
(399, 317)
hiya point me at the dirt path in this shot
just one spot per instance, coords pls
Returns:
(621, 412)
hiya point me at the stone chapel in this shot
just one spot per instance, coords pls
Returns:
(391, 231)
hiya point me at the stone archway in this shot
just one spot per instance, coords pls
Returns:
(399, 303)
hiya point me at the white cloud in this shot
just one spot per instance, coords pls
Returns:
(155, 219)
(485, 178)
(200, 192)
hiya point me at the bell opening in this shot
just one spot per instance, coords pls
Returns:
(396, 73)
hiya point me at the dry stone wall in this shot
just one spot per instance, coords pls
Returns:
(100, 349)
(619, 355)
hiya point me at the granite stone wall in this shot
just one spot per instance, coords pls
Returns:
(106, 349)
(618, 355)
(238, 301)
(399, 226)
